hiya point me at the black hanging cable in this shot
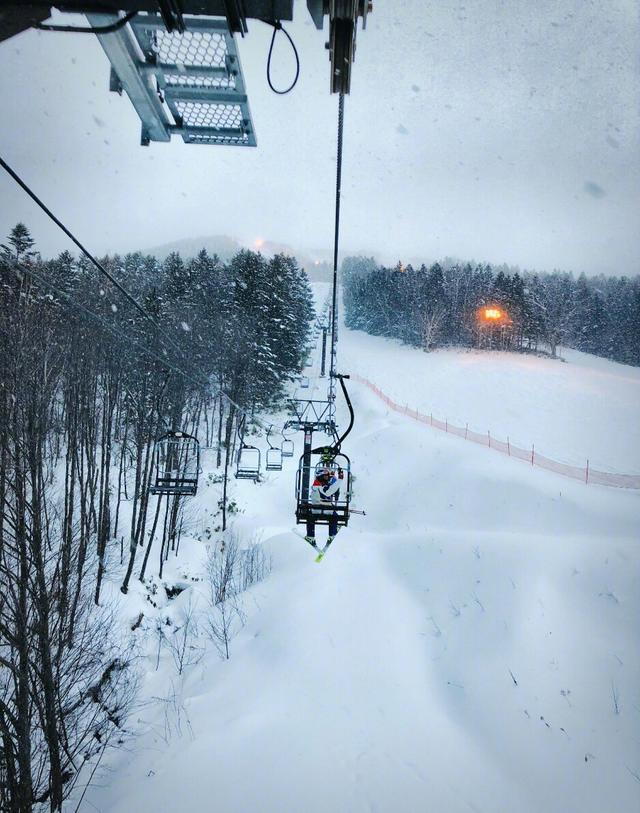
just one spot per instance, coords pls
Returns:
(277, 26)
(87, 29)
(352, 416)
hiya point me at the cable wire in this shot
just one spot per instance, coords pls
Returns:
(83, 29)
(121, 334)
(90, 256)
(118, 333)
(204, 380)
(332, 367)
(277, 26)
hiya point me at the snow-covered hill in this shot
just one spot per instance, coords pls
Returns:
(470, 645)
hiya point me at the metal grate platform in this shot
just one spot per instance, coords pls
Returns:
(188, 84)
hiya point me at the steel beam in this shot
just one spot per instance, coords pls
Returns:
(121, 52)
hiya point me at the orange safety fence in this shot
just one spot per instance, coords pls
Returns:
(584, 473)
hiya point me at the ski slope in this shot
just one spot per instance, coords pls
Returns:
(470, 645)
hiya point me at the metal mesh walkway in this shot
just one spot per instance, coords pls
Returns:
(187, 84)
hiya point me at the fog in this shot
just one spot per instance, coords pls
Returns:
(492, 131)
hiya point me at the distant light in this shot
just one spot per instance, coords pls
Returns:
(492, 313)
(258, 242)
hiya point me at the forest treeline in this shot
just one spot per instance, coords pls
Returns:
(437, 306)
(87, 384)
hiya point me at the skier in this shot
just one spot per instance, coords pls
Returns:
(324, 493)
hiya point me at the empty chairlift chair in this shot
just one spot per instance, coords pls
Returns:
(274, 459)
(249, 459)
(287, 447)
(304, 382)
(176, 460)
(274, 454)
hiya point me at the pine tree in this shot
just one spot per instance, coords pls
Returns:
(20, 243)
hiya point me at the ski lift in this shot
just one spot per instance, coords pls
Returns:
(287, 448)
(304, 382)
(248, 465)
(274, 455)
(176, 457)
(339, 508)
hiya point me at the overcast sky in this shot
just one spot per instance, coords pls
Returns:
(495, 131)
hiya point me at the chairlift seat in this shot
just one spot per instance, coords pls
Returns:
(287, 448)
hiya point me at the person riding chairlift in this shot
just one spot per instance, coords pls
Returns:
(324, 494)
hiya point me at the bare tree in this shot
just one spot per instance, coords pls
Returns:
(225, 612)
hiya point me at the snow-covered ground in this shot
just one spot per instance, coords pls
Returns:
(584, 407)
(470, 645)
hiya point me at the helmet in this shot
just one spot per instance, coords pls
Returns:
(323, 471)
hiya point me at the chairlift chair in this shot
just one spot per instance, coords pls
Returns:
(248, 464)
(176, 461)
(287, 448)
(274, 459)
(274, 454)
(304, 382)
(321, 515)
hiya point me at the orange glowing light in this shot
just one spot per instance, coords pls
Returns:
(258, 242)
(492, 313)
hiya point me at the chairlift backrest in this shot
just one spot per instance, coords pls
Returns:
(274, 459)
(287, 448)
(248, 467)
(176, 464)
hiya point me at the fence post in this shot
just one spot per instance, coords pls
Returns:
(508, 446)
(586, 478)
(446, 424)
(532, 453)
(489, 436)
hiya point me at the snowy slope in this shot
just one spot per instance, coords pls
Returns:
(584, 407)
(463, 647)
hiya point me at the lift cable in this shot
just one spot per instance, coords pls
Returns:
(332, 366)
(118, 332)
(74, 239)
(204, 379)
(121, 334)
(84, 29)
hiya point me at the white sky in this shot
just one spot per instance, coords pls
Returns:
(495, 131)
